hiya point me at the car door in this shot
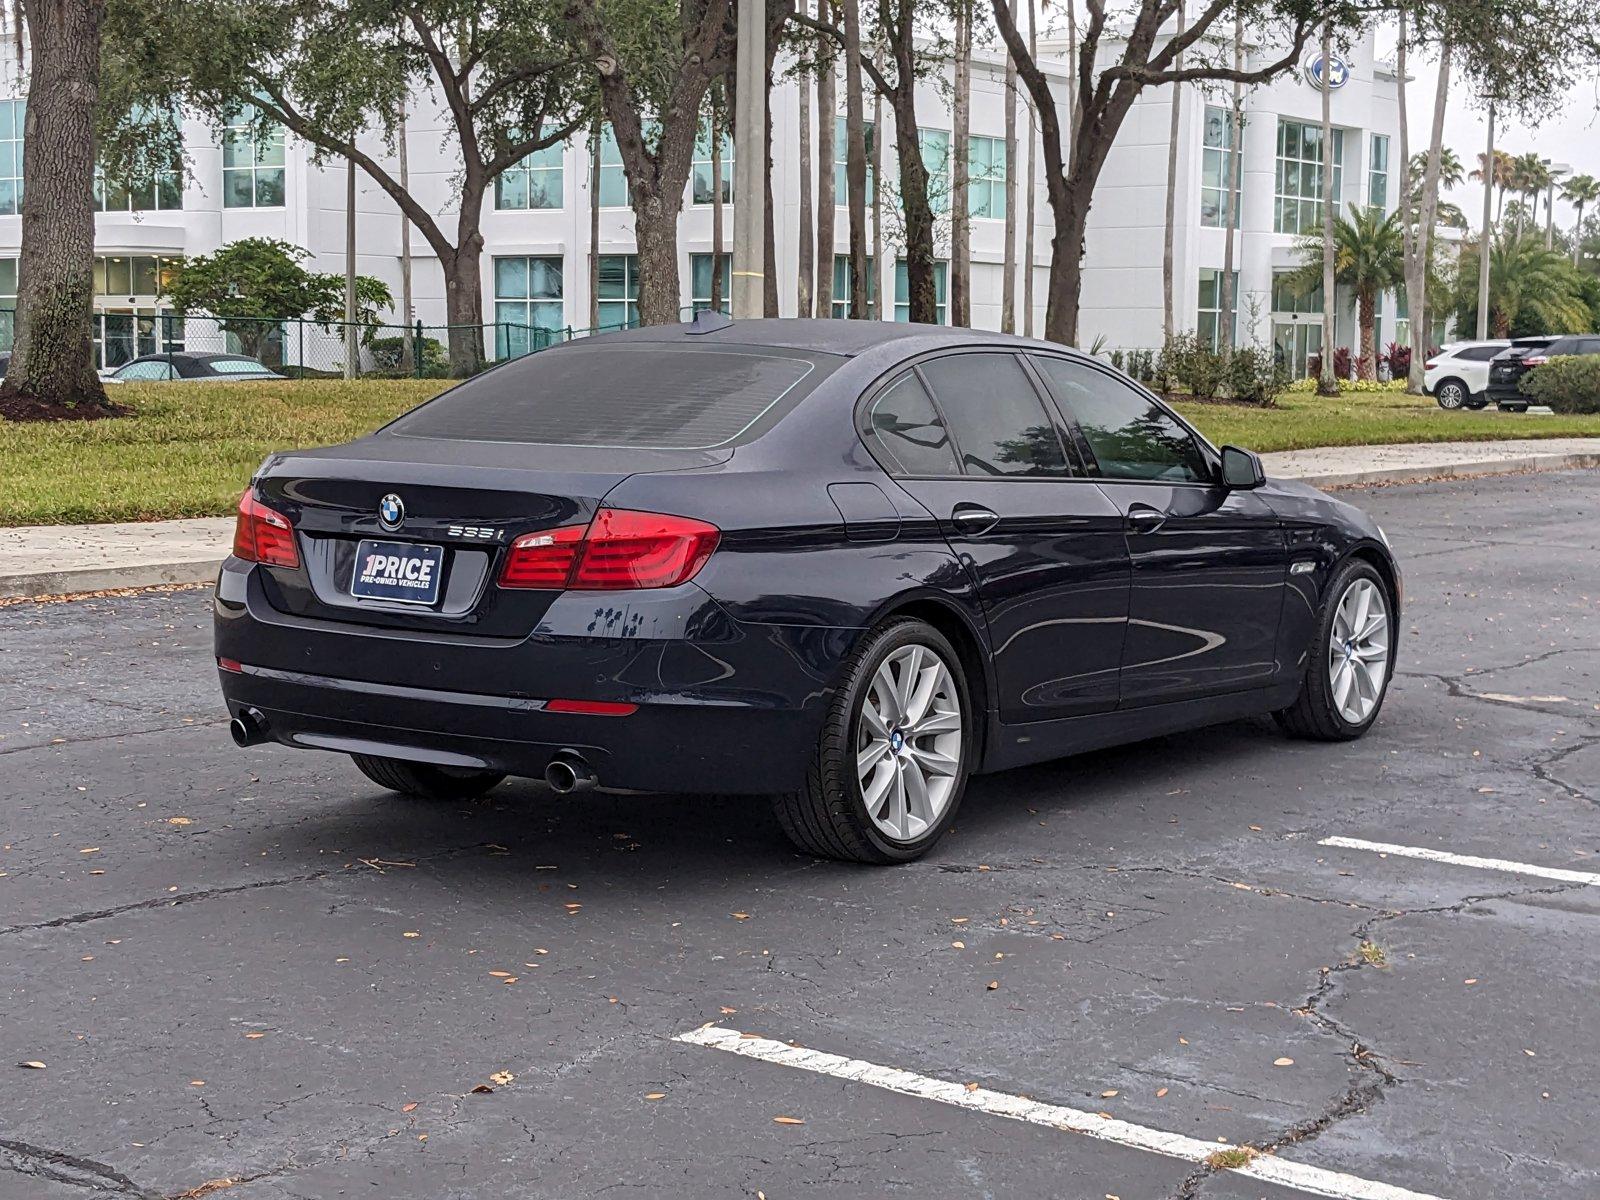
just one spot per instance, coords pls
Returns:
(970, 437)
(1209, 563)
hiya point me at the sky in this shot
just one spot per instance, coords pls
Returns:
(1571, 135)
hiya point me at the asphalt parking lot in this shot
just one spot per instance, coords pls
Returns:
(251, 974)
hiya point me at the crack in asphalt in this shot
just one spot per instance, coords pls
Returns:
(57, 1166)
(57, 743)
(170, 901)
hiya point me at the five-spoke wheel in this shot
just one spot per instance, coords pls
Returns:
(1352, 658)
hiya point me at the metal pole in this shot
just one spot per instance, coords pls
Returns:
(350, 348)
(1483, 238)
(749, 162)
(405, 249)
(416, 349)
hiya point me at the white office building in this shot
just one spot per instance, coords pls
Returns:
(536, 224)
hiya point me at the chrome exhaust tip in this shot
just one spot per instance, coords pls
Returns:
(569, 774)
(249, 728)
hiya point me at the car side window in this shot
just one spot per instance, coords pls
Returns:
(145, 370)
(1479, 353)
(1132, 437)
(907, 431)
(999, 423)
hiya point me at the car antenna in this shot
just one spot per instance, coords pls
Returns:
(709, 320)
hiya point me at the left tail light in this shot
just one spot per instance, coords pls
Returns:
(619, 550)
(1535, 360)
(262, 535)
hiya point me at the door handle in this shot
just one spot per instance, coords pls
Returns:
(1144, 519)
(974, 518)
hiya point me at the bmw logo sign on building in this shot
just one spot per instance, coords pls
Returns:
(391, 511)
(1338, 71)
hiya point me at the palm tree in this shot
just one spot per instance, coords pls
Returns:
(1450, 169)
(1530, 177)
(1580, 191)
(1500, 175)
(1532, 289)
(1369, 259)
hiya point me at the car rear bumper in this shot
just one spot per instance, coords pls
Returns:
(732, 708)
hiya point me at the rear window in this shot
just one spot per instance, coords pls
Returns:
(238, 366)
(646, 396)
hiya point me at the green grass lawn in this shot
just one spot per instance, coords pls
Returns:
(189, 449)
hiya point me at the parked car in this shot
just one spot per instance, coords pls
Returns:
(845, 563)
(187, 367)
(1458, 376)
(1510, 365)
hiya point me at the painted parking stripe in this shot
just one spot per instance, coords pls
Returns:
(1313, 1181)
(1466, 860)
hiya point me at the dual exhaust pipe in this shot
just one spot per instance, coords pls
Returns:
(566, 773)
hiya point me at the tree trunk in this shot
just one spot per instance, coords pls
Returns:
(855, 159)
(875, 290)
(1416, 266)
(1366, 311)
(656, 234)
(1577, 234)
(922, 287)
(807, 236)
(827, 192)
(595, 134)
(769, 225)
(960, 150)
(1327, 385)
(1230, 198)
(1408, 233)
(1028, 234)
(1169, 232)
(53, 359)
(1008, 284)
(463, 304)
(408, 351)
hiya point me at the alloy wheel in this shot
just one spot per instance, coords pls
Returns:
(1452, 395)
(1358, 651)
(909, 742)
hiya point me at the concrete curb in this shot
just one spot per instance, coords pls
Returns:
(206, 542)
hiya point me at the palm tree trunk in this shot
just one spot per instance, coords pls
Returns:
(1366, 311)
(52, 363)
(1008, 284)
(807, 236)
(1420, 249)
(855, 169)
(1327, 384)
(1168, 257)
(1577, 234)
(875, 286)
(827, 191)
(1028, 233)
(596, 131)
(716, 203)
(1230, 199)
(960, 149)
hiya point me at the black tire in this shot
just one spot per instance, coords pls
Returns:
(828, 815)
(1516, 408)
(424, 780)
(1314, 714)
(1477, 405)
(1452, 394)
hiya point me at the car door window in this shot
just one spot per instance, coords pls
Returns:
(1131, 436)
(145, 370)
(908, 435)
(1479, 353)
(999, 423)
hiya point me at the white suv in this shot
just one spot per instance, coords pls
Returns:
(1458, 376)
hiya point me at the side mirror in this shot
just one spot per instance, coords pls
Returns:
(1241, 468)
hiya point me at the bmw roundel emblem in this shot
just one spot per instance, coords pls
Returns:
(391, 511)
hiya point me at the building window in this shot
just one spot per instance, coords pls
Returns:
(252, 163)
(1286, 298)
(1218, 160)
(1298, 206)
(528, 307)
(11, 120)
(8, 303)
(535, 182)
(1402, 317)
(129, 275)
(162, 194)
(1210, 308)
(1295, 340)
(902, 292)
(1378, 173)
(841, 160)
(700, 281)
(614, 191)
(704, 193)
(986, 178)
(935, 144)
(841, 285)
(619, 291)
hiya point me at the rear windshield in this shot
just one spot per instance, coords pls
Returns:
(644, 395)
(238, 366)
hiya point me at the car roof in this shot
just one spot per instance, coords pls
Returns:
(842, 337)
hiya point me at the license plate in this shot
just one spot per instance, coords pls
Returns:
(397, 571)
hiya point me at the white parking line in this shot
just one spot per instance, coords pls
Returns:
(1267, 1168)
(1466, 860)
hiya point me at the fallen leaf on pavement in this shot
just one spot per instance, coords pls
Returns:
(411, 1107)
(787, 1121)
(32, 1064)
(254, 1035)
(1106, 1095)
(958, 945)
(992, 984)
(654, 1095)
(179, 821)
(1160, 1092)
(502, 1077)
(1283, 1062)
(726, 1011)
(411, 933)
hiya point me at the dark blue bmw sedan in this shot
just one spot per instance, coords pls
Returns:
(847, 564)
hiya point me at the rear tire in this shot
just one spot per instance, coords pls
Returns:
(1452, 394)
(900, 728)
(1516, 408)
(1333, 705)
(424, 780)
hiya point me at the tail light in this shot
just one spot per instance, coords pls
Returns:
(262, 535)
(1431, 363)
(1535, 360)
(618, 550)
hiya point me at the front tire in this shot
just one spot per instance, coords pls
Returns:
(1350, 662)
(1452, 394)
(892, 763)
(425, 781)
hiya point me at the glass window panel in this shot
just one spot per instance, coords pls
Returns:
(8, 196)
(238, 189)
(270, 150)
(544, 278)
(511, 278)
(1132, 437)
(544, 189)
(169, 191)
(511, 189)
(269, 188)
(119, 277)
(908, 432)
(613, 276)
(999, 422)
(8, 277)
(144, 276)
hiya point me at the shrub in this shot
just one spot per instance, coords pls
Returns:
(1399, 360)
(1116, 359)
(387, 355)
(1568, 383)
(1252, 376)
(1191, 363)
